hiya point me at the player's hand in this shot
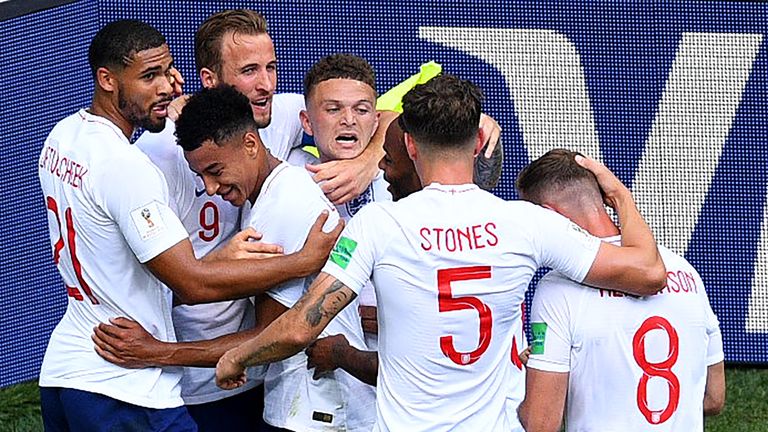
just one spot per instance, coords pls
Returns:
(524, 355)
(343, 180)
(319, 244)
(611, 187)
(491, 132)
(125, 343)
(176, 80)
(368, 319)
(176, 105)
(229, 373)
(245, 245)
(323, 354)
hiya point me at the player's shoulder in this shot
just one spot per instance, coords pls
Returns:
(160, 146)
(299, 156)
(289, 100)
(289, 173)
(554, 280)
(286, 108)
(297, 184)
(672, 259)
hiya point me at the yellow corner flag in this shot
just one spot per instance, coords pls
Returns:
(393, 99)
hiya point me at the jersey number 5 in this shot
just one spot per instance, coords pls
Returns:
(59, 245)
(447, 303)
(662, 369)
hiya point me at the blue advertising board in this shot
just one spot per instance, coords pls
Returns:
(671, 95)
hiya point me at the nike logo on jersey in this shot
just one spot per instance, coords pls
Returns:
(199, 193)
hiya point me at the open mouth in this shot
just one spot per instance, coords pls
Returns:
(347, 139)
(161, 108)
(261, 103)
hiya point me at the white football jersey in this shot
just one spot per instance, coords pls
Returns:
(210, 222)
(376, 191)
(635, 363)
(286, 208)
(451, 264)
(108, 212)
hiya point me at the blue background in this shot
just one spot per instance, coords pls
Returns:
(626, 50)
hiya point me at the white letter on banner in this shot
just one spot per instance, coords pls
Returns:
(543, 72)
(757, 315)
(545, 79)
(695, 115)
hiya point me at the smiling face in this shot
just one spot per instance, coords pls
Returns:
(144, 90)
(248, 63)
(230, 170)
(341, 116)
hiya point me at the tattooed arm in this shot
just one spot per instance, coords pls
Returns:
(488, 169)
(289, 334)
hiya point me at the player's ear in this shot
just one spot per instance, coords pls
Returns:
(208, 78)
(410, 146)
(305, 123)
(251, 143)
(106, 80)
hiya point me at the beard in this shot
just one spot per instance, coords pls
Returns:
(135, 114)
(262, 122)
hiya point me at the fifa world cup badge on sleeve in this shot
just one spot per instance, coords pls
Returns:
(342, 252)
(539, 330)
(148, 221)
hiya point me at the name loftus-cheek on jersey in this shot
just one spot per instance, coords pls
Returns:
(454, 239)
(67, 170)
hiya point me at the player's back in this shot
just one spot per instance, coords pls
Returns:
(103, 222)
(635, 363)
(450, 276)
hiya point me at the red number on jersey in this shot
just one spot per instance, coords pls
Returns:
(59, 245)
(447, 303)
(662, 369)
(210, 226)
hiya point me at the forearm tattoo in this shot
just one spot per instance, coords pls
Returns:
(488, 170)
(338, 299)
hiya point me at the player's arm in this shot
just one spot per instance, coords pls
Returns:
(714, 392)
(195, 281)
(332, 352)
(126, 343)
(488, 162)
(635, 267)
(544, 403)
(244, 245)
(288, 334)
(348, 178)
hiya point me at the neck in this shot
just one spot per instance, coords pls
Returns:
(266, 166)
(595, 220)
(448, 170)
(102, 106)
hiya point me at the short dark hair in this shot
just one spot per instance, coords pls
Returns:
(444, 112)
(208, 37)
(215, 114)
(555, 171)
(115, 44)
(335, 66)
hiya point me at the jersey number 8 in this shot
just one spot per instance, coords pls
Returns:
(662, 369)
